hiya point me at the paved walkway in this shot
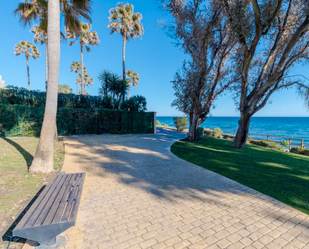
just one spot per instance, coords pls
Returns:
(137, 194)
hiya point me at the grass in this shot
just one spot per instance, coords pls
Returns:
(283, 176)
(17, 186)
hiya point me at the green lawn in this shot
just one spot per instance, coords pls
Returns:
(17, 186)
(283, 176)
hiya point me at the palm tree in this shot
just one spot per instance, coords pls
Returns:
(133, 78)
(85, 36)
(87, 78)
(30, 50)
(43, 158)
(75, 66)
(123, 20)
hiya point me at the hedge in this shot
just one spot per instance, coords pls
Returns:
(27, 121)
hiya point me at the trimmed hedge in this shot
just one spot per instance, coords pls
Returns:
(267, 144)
(27, 121)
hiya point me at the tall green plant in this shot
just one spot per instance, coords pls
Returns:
(75, 67)
(123, 20)
(29, 50)
(133, 79)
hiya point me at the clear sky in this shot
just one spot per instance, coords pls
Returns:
(154, 57)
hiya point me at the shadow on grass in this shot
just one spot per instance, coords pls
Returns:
(7, 236)
(27, 156)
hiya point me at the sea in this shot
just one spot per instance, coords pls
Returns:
(293, 127)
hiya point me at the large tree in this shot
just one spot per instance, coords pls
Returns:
(43, 159)
(123, 20)
(85, 37)
(30, 50)
(200, 30)
(273, 37)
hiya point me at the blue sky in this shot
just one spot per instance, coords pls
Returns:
(154, 57)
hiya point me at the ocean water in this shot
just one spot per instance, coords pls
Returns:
(294, 127)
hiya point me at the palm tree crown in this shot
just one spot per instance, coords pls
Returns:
(123, 20)
(28, 48)
(133, 79)
(75, 67)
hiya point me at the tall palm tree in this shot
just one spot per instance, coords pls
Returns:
(75, 66)
(43, 158)
(133, 78)
(30, 50)
(123, 20)
(85, 37)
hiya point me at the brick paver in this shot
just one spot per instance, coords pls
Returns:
(137, 194)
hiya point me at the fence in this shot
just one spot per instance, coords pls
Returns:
(291, 139)
(27, 121)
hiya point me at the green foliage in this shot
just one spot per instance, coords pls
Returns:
(217, 133)
(180, 123)
(301, 151)
(164, 124)
(208, 132)
(136, 103)
(65, 89)
(267, 144)
(27, 121)
(158, 122)
(227, 136)
(199, 133)
(285, 143)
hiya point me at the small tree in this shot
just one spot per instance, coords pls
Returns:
(180, 123)
(30, 50)
(133, 79)
(284, 143)
(75, 67)
(65, 89)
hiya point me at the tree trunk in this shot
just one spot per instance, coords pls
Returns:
(28, 73)
(129, 92)
(43, 159)
(194, 118)
(46, 64)
(243, 131)
(77, 83)
(82, 65)
(124, 60)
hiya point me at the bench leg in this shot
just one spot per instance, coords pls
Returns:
(55, 243)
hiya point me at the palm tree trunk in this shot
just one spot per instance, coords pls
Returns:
(43, 158)
(46, 64)
(124, 60)
(82, 65)
(28, 73)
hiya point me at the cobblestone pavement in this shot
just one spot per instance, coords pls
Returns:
(137, 194)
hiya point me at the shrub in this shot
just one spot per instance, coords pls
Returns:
(199, 133)
(217, 133)
(301, 151)
(136, 103)
(226, 136)
(180, 123)
(208, 132)
(158, 122)
(164, 124)
(284, 143)
(267, 144)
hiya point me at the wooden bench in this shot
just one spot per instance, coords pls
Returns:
(53, 212)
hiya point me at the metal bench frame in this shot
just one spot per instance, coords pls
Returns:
(53, 212)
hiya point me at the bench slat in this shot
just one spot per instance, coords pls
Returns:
(51, 201)
(69, 205)
(37, 202)
(57, 202)
(77, 198)
(41, 206)
(63, 202)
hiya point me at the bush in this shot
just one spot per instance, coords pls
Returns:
(164, 124)
(208, 132)
(199, 133)
(284, 143)
(136, 103)
(217, 133)
(180, 123)
(230, 137)
(301, 151)
(158, 122)
(267, 144)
